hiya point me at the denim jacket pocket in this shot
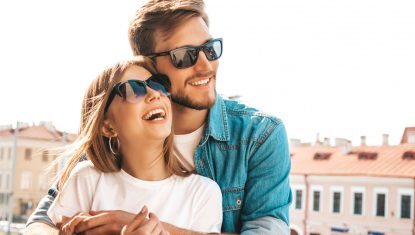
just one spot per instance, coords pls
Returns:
(232, 198)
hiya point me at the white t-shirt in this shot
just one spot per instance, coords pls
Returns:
(193, 202)
(185, 145)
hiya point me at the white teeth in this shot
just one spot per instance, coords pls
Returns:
(201, 82)
(155, 111)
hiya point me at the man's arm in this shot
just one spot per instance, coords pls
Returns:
(39, 222)
(39, 228)
(267, 191)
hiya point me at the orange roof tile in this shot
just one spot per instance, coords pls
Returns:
(388, 162)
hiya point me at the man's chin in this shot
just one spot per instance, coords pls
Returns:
(188, 103)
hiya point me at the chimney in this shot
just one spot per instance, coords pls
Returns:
(362, 140)
(385, 139)
(295, 143)
(344, 144)
(318, 142)
(326, 142)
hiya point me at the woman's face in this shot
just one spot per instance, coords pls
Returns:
(149, 118)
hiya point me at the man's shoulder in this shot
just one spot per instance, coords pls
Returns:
(239, 113)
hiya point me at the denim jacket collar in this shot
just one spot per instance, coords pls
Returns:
(217, 125)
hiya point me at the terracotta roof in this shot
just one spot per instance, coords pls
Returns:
(383, 161)
(39, 132)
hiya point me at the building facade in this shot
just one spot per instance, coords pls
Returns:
(26, 175)
(346, 189)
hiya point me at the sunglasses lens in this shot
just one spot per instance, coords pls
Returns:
(184, 57)
(132, 91)
(213, 50)
(157, 87)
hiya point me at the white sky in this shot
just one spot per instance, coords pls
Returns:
(338, 68)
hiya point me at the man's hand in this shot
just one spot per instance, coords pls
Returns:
(67, 225)
(142, 226)
(104, 222)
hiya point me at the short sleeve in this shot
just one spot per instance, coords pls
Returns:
(77, 193)
(208, 209)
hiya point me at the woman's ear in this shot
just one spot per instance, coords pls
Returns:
(107, 129)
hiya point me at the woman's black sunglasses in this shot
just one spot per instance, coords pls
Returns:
(184, 57)
(133, 90)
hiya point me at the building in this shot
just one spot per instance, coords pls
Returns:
(31, 178)
(345, 189)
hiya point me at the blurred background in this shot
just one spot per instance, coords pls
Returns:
(340, 74)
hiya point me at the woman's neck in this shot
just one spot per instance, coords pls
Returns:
(145, 161)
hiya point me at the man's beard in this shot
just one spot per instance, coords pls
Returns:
(184, 100)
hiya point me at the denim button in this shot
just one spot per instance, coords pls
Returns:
(238, 201)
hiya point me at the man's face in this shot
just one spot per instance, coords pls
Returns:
(192, 87)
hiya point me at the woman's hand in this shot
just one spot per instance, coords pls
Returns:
(140, 225)
(67, 226)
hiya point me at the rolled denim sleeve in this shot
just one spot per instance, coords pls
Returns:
(40, 213)
(267, 190)
(266, 226)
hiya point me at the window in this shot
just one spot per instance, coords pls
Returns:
(10, 154)
(298, 199)
(408, 155)
(358, 203)
(405, 203)
(336, 196)
(8, 181)
(322, 156)
(45, 156)
(405, 206)
(411, 138)
(316, 200)
(43, 181)
(336, 202)
(367, 156)
(358, 200)
(25, 181)
(28, 154)
(380, 204)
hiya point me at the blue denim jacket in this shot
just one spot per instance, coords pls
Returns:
(246, 153)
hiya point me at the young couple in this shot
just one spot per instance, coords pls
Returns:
(126, 135)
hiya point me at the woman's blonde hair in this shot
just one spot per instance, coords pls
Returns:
(92, 143)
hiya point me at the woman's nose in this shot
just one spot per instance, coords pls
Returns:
(152, 95)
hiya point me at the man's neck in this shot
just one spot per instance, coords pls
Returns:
(187, 120)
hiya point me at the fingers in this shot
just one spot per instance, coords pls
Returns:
(150, 224)
(105, 229)
(69, 226)
(159, 228)
(137, 221)
(94, 221)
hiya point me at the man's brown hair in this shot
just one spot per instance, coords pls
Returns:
(161, 17)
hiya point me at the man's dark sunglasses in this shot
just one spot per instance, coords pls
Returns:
(184, 57)
(133, 90)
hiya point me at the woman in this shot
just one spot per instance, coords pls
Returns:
(126, 133)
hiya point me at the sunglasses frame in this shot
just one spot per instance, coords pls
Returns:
(198, 49)
(155, 78)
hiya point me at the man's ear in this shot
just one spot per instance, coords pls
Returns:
(107, 129)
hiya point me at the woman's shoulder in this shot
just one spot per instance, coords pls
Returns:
(200, 183)
(85, 168)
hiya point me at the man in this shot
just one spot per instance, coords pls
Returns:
(242, 149)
